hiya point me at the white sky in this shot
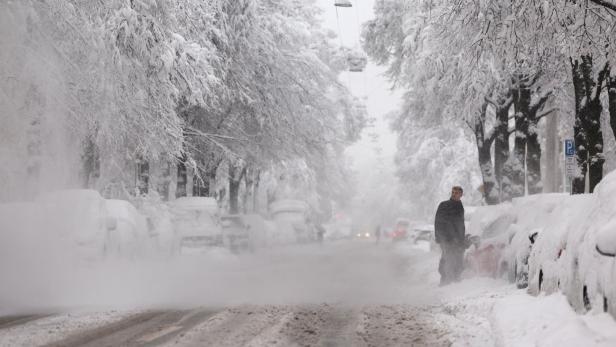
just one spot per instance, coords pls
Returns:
(369, 85)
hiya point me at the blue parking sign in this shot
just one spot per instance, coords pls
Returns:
(569, 148)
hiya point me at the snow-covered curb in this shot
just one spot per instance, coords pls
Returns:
(523, 320)
(488, 312)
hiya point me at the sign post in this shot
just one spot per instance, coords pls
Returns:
(570, 164)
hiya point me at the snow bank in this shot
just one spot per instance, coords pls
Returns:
(523, 320)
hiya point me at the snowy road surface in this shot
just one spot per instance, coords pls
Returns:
(342, 294)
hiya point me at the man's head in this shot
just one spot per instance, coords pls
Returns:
(456, 193)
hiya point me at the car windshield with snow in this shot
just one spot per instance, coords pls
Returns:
(197, 224)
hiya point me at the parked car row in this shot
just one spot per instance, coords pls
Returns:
(82, 222)
(553, 242)
(77, 223)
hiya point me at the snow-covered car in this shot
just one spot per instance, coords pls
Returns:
(515, 256)
(422, 232)
(79, 221)
(196, 224)
(401, 230)
(605, 245)
(259, 229)
(588, 275)
(491, 226)
(160, 229)
(236, 233)
(130, 237)
(550, 265)
(291, 219)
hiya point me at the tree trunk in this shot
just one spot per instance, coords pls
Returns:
(533, 160)
(211, 177)
(255, 194)
(587, 128)
(236, 173)
(201, 182)
(487, 174)
(611, 87)
(501, 146)
(579, 133)
(234, 188)
(91, 162)
(484, 144)
(595, 143)
(165, 181)
(521, 101)
(143, 176)
(552, 177)
(247, 197)
(182, 179)
(533, 147)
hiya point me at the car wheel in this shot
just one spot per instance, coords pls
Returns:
(504, 269)
(513, 275)
(605, 304)
(541, 279)
(521, 279)
(586, 299)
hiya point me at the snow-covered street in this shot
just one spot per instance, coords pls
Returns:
(347, 293)
(307, 173)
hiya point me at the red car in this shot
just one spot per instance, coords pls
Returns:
(401, 230)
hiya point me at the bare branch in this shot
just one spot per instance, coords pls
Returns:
(546, 112)
(605, 3)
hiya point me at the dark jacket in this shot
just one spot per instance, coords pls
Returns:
(449, 222)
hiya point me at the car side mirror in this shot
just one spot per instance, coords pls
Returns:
(533, 237)
(111, 223)
(606, 242)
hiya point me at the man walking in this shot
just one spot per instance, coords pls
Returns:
(449, 233)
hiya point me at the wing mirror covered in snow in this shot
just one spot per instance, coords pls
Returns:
(111, 223)
(533, 237)
(606, 242)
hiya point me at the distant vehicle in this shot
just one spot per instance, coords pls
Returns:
(130, 237)
(80, 221)
(363, 234)
(236, 233)
(422, 234)
(401, 230)
(291, 219)
(196, 224)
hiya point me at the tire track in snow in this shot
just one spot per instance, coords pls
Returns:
(240, 326)
(398, 325)
(11, 321)
(144, 329)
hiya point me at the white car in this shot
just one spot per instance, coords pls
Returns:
(290, 217)
(549, 263)
(196, 223)
(130, 237)
(78, 220)
(589, 276)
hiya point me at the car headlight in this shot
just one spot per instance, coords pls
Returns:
(358, 235)
(367, 234)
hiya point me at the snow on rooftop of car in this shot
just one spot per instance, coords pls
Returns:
(288, 205)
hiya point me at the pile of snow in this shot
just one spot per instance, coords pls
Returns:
(523, 320)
